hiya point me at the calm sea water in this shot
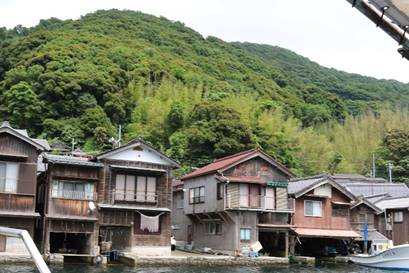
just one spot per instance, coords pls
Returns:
(120, 269)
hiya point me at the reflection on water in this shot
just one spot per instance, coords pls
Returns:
(119, 269)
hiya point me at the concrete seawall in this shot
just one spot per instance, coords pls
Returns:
(133, 260)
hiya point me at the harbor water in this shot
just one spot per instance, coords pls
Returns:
(341, 268)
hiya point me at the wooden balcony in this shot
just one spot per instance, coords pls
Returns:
(258, 202)
(150, 199)
(72, 204)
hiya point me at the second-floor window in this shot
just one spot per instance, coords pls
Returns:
(8, 176)
(73, 190)
(398, 217)
(313, 208)
(135, 188)
(220, 191)
(196, 195)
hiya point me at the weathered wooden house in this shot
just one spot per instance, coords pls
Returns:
(18, 179)
(135, 200)
(322, 220)
(67, 202)
(235, 202)
(396, 224)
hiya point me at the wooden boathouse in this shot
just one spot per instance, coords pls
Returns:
(68, 205)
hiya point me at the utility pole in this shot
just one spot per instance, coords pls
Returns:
(390, 166)
(373, 166)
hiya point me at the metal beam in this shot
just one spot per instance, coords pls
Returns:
(385, 23)
(28, 242)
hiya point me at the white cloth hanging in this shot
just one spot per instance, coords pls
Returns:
(151, 223)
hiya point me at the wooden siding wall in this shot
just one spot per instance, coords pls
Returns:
(60, 207)
(107, 186)
(257, 167)
(274, 218)
(23, 200)
(160, 239)
(65, 226)
(362, 209)
(116, 218)
(16, 203)
(327, 220)
(12, 145)
(67, 207)
(400, 231)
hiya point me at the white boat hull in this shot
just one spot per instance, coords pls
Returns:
(396, 258)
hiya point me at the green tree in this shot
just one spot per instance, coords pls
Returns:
(21, 105)
(215, 130)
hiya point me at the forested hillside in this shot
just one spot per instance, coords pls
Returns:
(195, 98)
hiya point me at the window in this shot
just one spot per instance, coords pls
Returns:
(8, 177)
(362, 218)
(179, 200)
(313, 208)
(73, 190)
(245, 234)
(398, 217)
(135, 188)
(220, 191)
(196, 195)
(339, 211)
(213, 228)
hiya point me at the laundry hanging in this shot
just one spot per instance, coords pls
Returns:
(151, 223)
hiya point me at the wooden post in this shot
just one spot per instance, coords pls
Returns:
(286, 244)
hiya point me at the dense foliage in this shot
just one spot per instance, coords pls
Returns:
(194, 98)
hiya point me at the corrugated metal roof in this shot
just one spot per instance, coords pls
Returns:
(218, 164)
(332, 233)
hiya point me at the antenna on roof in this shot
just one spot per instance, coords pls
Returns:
(390, 166)
(116, 143)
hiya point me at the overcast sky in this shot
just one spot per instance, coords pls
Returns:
(329, 32)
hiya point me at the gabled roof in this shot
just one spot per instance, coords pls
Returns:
(301, 186)
(227, 162)
(135, 143)
(39, 144)
(368, 203)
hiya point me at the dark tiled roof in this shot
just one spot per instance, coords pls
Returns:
(371, 189)
(70, 160)
(299, 184)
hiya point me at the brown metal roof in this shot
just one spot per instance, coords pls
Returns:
(225, 162)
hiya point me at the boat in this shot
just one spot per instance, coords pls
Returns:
(393, 258)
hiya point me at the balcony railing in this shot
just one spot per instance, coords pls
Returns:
(132, 196)
(258, 202)
(75, 195)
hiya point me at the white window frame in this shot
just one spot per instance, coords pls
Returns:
(10, 183)
(313, 214)
(398, 219)
(57, 190)
(247, 234)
